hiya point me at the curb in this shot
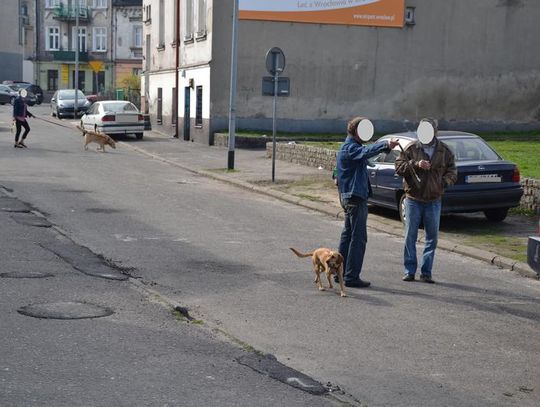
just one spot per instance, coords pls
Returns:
(483, 255)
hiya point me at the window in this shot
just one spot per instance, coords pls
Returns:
(198, 107)
(82, 39)
(100, 3)
(188, 20)
(53, 39)
(100, 39)
(52, 3)
(148, 52)
(409, 16)
(52, 79)
(161, 40)
(201, 19)
(137, 36)
(148, 14)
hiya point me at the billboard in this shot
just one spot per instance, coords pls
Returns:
(378, 13)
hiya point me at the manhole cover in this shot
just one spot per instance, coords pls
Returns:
(65, 310)
(25, 274)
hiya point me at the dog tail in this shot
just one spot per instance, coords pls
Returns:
(300, 254)
(81, 129)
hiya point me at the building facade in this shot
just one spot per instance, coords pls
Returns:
(469, 64)
(127, 43)
(15, 27)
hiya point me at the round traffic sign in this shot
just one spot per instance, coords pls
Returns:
(275, 61)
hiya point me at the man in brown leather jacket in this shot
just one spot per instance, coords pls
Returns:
(434, 164)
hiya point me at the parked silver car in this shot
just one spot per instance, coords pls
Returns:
(63, 103)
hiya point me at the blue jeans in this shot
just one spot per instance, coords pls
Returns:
(352, 245)
(417, 212)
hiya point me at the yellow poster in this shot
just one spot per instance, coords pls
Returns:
(378, 13)
(64, 74)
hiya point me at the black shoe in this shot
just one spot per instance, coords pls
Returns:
(357, 284)
(17, 145)
(408, 277)
(427, 279)
(21, 144)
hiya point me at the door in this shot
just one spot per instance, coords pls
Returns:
(174, 106)
(187, 113)
(159, 105)
(82, 75)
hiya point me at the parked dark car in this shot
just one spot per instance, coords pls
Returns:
(63, 103)
(34, 89)
(7, 95)
(30, 98)
(486, 183)
(533, 251)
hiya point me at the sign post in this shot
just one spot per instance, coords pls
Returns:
(275, 65)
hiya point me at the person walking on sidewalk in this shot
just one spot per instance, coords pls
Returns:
(20, 113)
(434, 164)
(354, 188)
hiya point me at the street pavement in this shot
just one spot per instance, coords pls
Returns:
(470, 340)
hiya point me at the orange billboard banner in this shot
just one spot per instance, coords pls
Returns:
(378, 13)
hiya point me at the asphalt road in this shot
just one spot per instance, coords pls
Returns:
(470, 340)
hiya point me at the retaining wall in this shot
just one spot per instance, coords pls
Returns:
(325, 158)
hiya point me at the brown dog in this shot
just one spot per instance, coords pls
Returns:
(329, 261)
(100, 138)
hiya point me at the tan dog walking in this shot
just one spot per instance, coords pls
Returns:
(99, 138)
(328, 261)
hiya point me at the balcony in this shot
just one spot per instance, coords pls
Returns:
(69, 13)
(69, 56)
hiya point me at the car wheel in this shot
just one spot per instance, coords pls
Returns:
(58, 114)
(139, 136)
(401, 208)
(496, 215)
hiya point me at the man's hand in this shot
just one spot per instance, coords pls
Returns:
(393, 143)
(425, 165)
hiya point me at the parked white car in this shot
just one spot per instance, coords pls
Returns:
(114, 117)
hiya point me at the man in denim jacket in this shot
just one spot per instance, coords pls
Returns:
(354, 188)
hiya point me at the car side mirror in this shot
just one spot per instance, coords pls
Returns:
(53, 100)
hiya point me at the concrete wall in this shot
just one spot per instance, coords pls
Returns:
(11, 51)
(472, 64)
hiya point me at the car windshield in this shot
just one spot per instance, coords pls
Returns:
(470, 149)
(119, 107)
(69, 94)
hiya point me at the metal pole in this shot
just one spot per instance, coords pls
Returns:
(232, 100)
(177, 65)
(77, 5)
(274, 109)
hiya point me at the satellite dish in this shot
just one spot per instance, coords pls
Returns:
(425, 132)
(23, 93)
(365, 130)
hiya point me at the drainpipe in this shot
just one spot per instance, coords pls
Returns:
(177, 41)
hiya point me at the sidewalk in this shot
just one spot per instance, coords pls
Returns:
(300, 185)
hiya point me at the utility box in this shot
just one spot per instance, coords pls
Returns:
(120, 94)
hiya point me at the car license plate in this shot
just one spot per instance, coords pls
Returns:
(482, 178)
(127, 118)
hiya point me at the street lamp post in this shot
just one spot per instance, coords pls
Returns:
(77, 7)
(232, 99)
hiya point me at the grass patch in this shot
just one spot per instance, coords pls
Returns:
(309, 197)
(522, 211)
(511, 247)
(526, 154)
(224, 170)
